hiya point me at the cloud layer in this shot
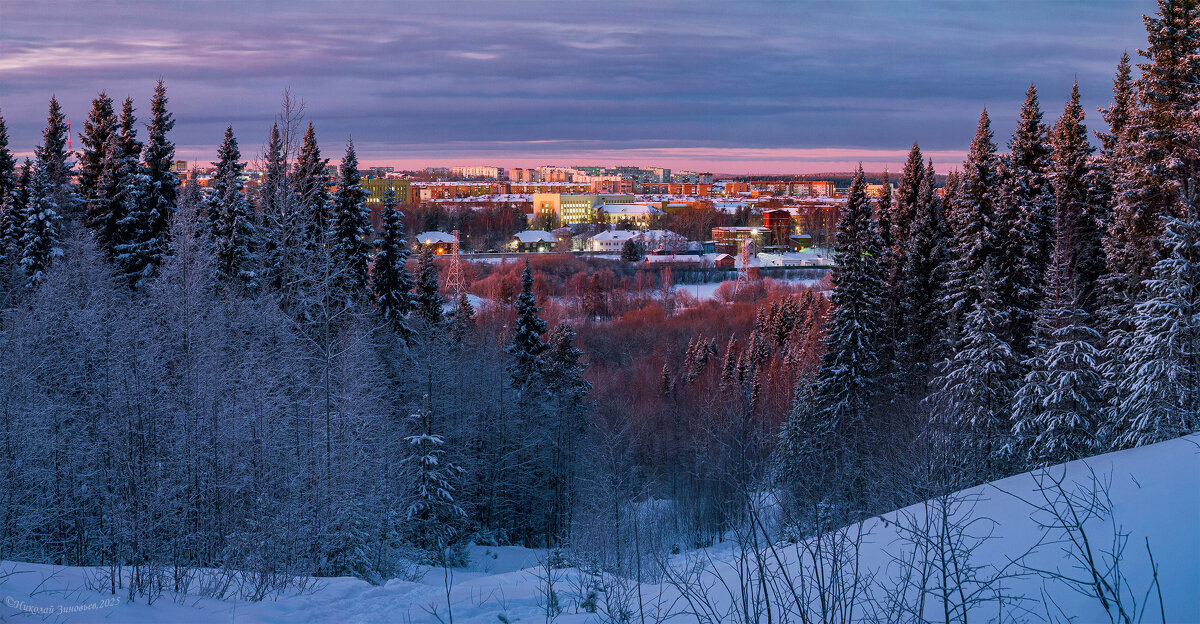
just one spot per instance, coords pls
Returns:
(726, 86)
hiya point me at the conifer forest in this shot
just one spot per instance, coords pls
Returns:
(240, 390)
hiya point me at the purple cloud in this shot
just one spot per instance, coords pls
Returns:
(460, 82)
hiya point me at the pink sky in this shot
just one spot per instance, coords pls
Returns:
(715, 159)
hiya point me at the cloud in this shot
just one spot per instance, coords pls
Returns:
(607, 75)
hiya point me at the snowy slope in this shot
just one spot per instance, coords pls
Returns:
(1155, 500)
(1155, 491)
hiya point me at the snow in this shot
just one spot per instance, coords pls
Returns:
(616, 235)
(434, 236)
(1154, 496)
(705, 292)
(475, 300)
(536, 236)
(629, 210)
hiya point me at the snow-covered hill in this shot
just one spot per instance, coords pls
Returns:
(1155, 501)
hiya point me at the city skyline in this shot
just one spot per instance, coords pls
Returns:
(729, 89)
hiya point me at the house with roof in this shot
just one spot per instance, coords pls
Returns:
(612, 241)
(665, 241)
(534, 241)
(440, 242)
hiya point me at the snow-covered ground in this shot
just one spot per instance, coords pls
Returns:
(1154, 490)
(705, 292)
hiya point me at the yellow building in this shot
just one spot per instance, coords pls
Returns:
(376, 188)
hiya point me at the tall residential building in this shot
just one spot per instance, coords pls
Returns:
(478, 172)
(691, 177)
(678, 188)
(376, 172)
(517, 174)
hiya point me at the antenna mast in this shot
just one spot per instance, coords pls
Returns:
(743, 279)
(454, 277)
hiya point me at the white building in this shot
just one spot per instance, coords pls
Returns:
(477, 172)
(665, 240)
(635, 214)
(612, 241)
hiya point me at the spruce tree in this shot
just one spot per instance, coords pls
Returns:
(12, 223)
(908, 197)
(352, 229)
(973, 394)
(884, 207)
(106, 207)
(898, 247)
(99, 125)
(434, 515)
(526, 346)
(50, 196)
(1024, 223)
(8, 180)
(345, 544)
(889, 262)
(162, 185)
(921, 281)
(275, 204)
(563, 368)
(804, 441)
(8, 164)
(1077, 212)
(428, 302)
(1161, 156)
(1057, 410)
(127, 133)
(40, 231)
(1117, 116)
(392, 284)
(103, 165)
(971, 215)
(54, 160)
(847, 384)
(462, 321)
(1154, 164)
(137, 251)
(312, 191)
(1120, 285)
(53, 150)
(1169, 92)
(231, 228)
(1160, 395)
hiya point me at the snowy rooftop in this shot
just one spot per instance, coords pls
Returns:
(434, 237)
(616, 235)
(662, 235)
(536, 236)
(730, 206)
(630, 209)
(492, 197)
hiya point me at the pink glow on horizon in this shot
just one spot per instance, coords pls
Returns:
(709, 159)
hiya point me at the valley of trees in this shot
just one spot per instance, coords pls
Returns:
(260, 382)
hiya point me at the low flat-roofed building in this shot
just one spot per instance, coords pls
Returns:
(574, 209)
(731, 239)
(613, 241)
(639, 215)
(665, 241)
